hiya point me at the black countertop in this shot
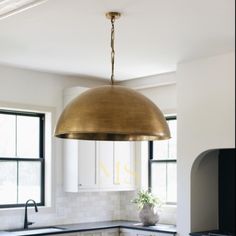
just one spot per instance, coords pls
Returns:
(121, 224)
(73, 228)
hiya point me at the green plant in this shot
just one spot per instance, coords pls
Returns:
(146, 198)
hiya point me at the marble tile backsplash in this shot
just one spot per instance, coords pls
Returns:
(69, 208)
(80, 208)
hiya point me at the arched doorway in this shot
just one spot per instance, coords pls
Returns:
(213, 191)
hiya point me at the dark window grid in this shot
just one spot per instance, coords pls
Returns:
(18, 160)
(153, 161)
(40, 159)
(20, 113)
(41, 127)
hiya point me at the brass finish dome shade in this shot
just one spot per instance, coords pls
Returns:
(112, 113)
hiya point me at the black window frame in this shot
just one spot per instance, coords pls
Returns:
(152, 161)
(41, 158)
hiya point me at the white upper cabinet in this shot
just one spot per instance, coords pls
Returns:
(97, 165)
(124, 165)
(105, 154)
(87, 165)
(80, 165)
(116, 165)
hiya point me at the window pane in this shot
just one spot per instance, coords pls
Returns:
(28, 137)
(160, 150)
(172, 182)
(159, 180)
(29, 181)
(7, 135)
(173, 140)
(163, 150)
(8, 182)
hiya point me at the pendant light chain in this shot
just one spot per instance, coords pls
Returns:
(113, 50)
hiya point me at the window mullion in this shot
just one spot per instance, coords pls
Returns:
(166, 182)
(21, 159)
(17, 162)
(16, 149)
(17, 183)
(164, 161)
(42, 182)
(150, 150)
(150, 175)
(41, 136)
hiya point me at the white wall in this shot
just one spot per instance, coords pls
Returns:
(45, 91)
(206, 120)
(165, 97)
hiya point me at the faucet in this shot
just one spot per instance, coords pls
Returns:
(26, 222)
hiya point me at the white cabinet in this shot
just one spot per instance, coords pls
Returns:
(124, 232)
(116, 165)
(118, 232)
(111, 232)
(72, 234)
(107, 232)
(105, 154)
(87, 165)
(124, 164)
(97, 166)
(91, 233)
(80, 165)
(131, 232)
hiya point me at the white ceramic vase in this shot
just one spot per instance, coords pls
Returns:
(149, 215)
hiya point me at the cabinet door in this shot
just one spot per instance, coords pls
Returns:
(105, 155)
(124, 165)
(111, 232)
(87, 165)
(146, 233)
(127, 232)
(108, 232)
(70, 165)
(163, 234)
(80, 165)
(92, 233)
(73, 234)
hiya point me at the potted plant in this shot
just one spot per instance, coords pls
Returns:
(148, 205)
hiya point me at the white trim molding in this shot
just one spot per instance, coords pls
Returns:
(11, 7)
(150, 81)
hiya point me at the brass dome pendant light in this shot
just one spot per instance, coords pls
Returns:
(112, 112)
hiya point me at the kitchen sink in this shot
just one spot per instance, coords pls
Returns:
(36, 231)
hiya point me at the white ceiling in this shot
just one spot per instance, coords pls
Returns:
(153, 36)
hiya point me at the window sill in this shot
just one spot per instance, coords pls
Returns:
(170, 206)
